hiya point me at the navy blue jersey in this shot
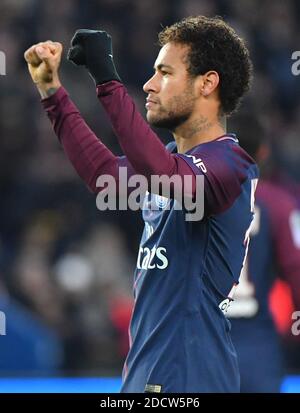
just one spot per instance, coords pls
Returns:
(180, 338)
(274, 251)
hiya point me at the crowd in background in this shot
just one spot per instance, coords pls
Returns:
(66, 268)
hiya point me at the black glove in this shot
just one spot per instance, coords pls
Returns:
(93, 49)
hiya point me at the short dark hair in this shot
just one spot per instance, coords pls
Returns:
(214, 45)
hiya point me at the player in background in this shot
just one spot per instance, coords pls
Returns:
(186, 269)
(274, 252)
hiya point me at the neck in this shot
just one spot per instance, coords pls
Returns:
(198, 130)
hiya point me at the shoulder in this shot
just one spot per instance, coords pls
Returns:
(227, 150)
(226, 158)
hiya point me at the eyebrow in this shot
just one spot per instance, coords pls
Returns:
(161, 66)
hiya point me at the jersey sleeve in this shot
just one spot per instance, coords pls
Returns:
(225, 167)
(88, 155)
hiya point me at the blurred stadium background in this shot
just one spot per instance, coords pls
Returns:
(66, 268)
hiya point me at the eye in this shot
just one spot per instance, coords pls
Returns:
(164, 73)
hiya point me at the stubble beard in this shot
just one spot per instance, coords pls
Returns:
(175, 112)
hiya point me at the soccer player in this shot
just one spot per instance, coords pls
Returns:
(186, 270)
(274, 251)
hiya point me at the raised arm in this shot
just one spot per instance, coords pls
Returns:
(89, 156)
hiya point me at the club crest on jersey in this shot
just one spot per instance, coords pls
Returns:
(161, 202)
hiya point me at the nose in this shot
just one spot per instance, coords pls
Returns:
(151, 85)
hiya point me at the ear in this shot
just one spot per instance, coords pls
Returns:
(209, 82)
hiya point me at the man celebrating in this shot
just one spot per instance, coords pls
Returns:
(186, 271)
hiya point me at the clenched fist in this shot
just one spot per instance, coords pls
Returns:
(43, 63)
